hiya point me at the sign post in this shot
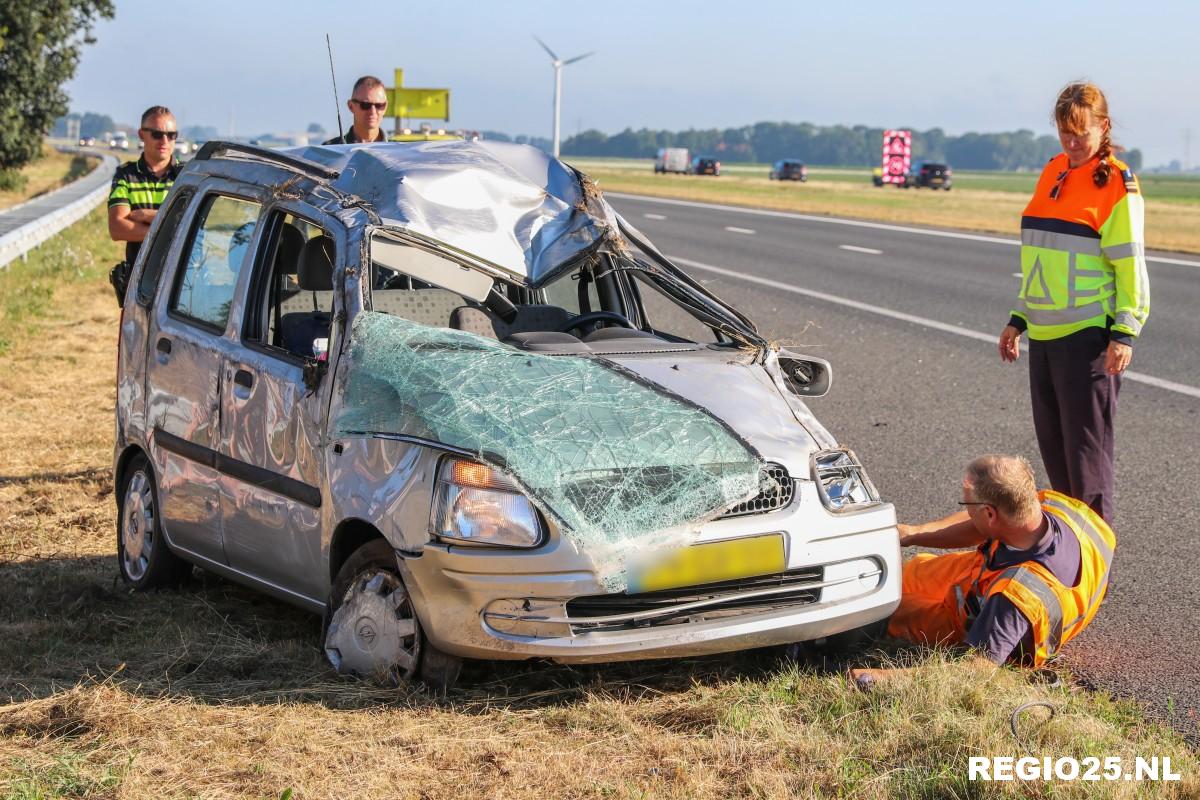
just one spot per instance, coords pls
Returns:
(416, 103)
(897, 156)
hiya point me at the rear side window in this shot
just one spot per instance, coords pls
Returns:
(148, 282)
(218, 248)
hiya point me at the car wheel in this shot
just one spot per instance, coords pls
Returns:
(143, 557)
(856, 640)
(373, 631)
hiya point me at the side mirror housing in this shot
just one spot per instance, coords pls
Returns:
(807, 376)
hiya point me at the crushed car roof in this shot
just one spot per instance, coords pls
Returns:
(510, 205)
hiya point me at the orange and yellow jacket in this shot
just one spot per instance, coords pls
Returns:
(1056, 612)
(1083, 260)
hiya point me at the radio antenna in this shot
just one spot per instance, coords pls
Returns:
(336, 104)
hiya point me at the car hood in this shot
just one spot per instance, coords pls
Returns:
(742, 392)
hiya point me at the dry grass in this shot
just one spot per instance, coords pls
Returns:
(214, 691)
(51, 171)
(1170, 224)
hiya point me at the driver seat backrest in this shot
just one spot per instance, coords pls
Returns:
(480, 321)
(314, 273)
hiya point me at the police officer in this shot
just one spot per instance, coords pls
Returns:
(140, 187)
(368, 103)
(1084, 297)
(1034, 580)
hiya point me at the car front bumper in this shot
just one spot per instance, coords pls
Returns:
(508, 605)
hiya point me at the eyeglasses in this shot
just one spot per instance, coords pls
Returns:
(973, 503)
(367, 105)
(171, 135)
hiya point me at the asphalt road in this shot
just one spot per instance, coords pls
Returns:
(909, 320)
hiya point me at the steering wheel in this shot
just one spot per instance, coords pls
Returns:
(592, 317)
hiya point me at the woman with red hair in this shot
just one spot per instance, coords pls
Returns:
(1084, 297)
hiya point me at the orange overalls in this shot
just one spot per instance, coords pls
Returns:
(933, 602)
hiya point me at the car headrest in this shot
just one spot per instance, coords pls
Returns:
(314, 271)
(287, 252)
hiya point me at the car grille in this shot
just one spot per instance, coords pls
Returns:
(777, 490)
(729, 599)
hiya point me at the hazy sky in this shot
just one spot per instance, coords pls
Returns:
(961, 66)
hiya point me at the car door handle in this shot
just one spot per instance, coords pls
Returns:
(243, 378)
(163, 346)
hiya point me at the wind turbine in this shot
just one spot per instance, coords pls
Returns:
(558, 65)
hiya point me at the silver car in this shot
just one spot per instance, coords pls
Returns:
(444, 395)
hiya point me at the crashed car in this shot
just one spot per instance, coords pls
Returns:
(442, 394)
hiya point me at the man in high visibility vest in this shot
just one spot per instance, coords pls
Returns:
(1035, 578)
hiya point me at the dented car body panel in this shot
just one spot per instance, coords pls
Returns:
(257, 482)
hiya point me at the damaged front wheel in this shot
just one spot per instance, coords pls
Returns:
(373, 630)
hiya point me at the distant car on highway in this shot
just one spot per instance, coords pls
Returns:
(932, 175)
(87, 141)
(704, 165)
(672, 159)
(788, 169)
(119, 141)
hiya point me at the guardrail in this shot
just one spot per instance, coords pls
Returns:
(25, 226)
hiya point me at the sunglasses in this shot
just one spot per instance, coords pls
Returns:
(367, 105)
(1058, 184)
(171, 135)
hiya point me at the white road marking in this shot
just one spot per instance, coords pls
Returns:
(881, 226)
(1018, 275)
(653, 216)
(989, 338)
(871, 251)
(732, 229)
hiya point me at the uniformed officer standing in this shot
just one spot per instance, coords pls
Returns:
(140, 187)
(1084, 297)
(368, 103)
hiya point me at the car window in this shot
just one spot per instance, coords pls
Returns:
(283, 314)
(564, 293)
(220, 239)
(666, 316)
(157, 255)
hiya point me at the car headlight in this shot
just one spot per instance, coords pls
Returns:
(842, 481)
(475, 504)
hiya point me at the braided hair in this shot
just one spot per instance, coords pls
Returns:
(1070, 113)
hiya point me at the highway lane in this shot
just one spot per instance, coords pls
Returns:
(917, 403)
(969, 282)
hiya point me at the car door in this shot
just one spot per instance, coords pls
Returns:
(272, 422)
(188, 346)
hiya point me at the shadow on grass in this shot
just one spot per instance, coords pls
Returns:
(213, 641)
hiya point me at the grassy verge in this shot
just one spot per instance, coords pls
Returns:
(214, 691)
(52, 171)
(990, 202)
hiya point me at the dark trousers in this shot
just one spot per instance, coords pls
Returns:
(1074, 410)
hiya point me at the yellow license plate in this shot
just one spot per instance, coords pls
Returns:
(712, 562)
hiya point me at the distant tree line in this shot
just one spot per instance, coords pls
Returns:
(835, 145)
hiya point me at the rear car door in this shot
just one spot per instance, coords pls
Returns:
(272, 421)
(188, 345)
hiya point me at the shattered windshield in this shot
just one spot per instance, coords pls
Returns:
(614, 459)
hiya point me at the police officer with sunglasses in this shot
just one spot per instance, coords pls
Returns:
(140, 187)
(368, 103)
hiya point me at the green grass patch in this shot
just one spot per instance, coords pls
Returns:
(81, 253)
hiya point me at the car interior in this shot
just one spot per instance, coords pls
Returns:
(576, 313)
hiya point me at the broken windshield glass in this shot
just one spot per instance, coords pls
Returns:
(615, 460)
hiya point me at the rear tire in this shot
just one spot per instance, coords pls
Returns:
(143, 557)
(372, 630)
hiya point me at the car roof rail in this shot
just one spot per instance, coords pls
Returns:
(215, 149)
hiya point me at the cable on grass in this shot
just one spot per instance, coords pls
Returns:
(1013, 721)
